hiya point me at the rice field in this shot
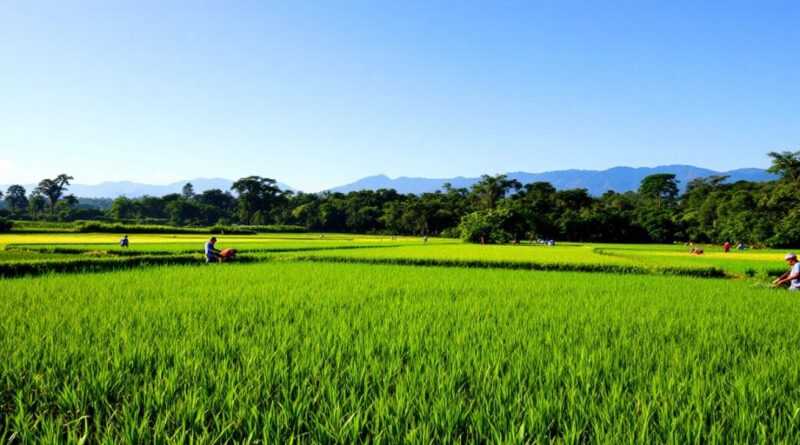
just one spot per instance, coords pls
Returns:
(369, 339)
(761, 262)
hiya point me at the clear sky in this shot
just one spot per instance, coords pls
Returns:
(320, 93)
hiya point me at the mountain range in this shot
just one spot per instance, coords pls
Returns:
(619, 179)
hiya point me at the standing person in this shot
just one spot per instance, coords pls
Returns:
(425, 238)
(212, 254)
(792, 276)
(123, 242)
(726, 247)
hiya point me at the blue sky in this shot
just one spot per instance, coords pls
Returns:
(317, 94)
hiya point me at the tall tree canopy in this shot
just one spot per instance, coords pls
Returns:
(786, 164)
(15, 199)
(53, 189)
(491, 189)
(258, 199)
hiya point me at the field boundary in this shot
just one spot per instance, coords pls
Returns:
(48, 248)
(106, 260)
(710, 272)
(102, 261)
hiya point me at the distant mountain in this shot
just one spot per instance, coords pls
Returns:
(135, 189)
(619, 179)
(404, 184)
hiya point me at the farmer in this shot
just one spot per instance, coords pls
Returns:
(726, 247)
(211, 252)
(123, 242)
(792, 276)
(228, 254)
(696, 251)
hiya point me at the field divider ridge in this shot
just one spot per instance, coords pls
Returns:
(108, 261)
(520, 265)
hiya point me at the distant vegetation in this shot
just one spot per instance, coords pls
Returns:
(495, 210)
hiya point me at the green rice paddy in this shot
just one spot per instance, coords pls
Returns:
(349, 339)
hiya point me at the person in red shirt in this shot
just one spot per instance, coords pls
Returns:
(228, 254)
(726, 247)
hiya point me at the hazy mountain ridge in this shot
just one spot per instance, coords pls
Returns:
(113, 189)
(619, 179)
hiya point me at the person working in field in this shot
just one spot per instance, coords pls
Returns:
(123, 242)
(696, 251)
(212, 254)
(792, 276)
(228, 254)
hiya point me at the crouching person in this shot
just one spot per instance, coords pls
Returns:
(228, 255)
(792, 276)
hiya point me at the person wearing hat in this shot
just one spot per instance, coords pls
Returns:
(212, 254)
(792, 276)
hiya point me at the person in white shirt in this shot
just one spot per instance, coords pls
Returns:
(792, 276)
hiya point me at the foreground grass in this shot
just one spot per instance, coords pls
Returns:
(288, 352)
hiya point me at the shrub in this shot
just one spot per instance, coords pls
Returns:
(5, 225)
(487, 224)
(451, 232)
(276, 228)
(98, 227)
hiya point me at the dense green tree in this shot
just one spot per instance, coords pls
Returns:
(491, 189)
(15, 199)
(66, 206)
(538, 204)
(122, 208)
(659, 191)
(36, 204)
(187, 191)
(53, 189)
(5, 225)
(659, 194)
(786, 164)
(216, 206)
(185, 212)
(489, 225)
(153, 208)
(259, 199)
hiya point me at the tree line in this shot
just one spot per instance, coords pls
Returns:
(497, 209)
